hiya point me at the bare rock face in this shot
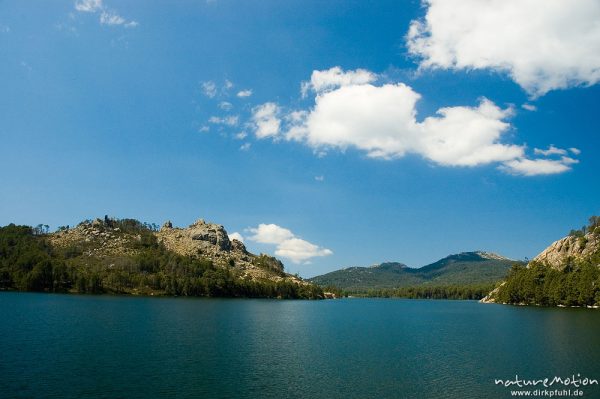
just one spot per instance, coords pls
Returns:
(238, 246)
(210, 241)
(200, 238)
(574, 248)
(212, 233)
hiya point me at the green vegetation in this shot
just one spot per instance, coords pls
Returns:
(29, 262)
(466, 270)
(575, 283)
(475, 292)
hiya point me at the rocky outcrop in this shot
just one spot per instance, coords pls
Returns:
(93, 238)
(572, 248)
(200, 238)
(211, 241)
(491, 255)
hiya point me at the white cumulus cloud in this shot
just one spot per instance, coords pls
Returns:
(236, 236)
(542, 44)
(299, 250)
(288, 245)
(270, 234)
(382, 122)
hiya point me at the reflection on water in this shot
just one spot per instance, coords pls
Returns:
(89, 346)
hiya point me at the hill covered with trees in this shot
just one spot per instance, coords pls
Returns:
(125, 256)
(468, 275)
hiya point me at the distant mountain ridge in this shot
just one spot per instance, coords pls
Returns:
(466, 268)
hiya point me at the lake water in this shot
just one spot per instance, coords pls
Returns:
(69, 346)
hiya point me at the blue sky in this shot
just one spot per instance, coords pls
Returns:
(419, 133)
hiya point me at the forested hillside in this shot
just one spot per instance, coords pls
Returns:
(125, 256)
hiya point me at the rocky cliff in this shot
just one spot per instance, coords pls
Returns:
(574, 248)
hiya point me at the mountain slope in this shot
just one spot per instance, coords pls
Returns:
(385, 275)
(467, 268)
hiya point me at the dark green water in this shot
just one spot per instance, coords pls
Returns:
(123, 347)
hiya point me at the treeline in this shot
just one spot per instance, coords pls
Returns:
(28, 262)
(592, 227)
(474, 292)
(578, 284)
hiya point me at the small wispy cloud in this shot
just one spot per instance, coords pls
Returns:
(241, 135)
(225, 105)
(209, 88)
(320, 178)
(245, 147)
(4, 28)
(88, 5)
(63, 27)
(244, 93)
(108, 16)
(536, 167)
(552, 150)
(26, 66)
(529, 107)
(231, 120)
